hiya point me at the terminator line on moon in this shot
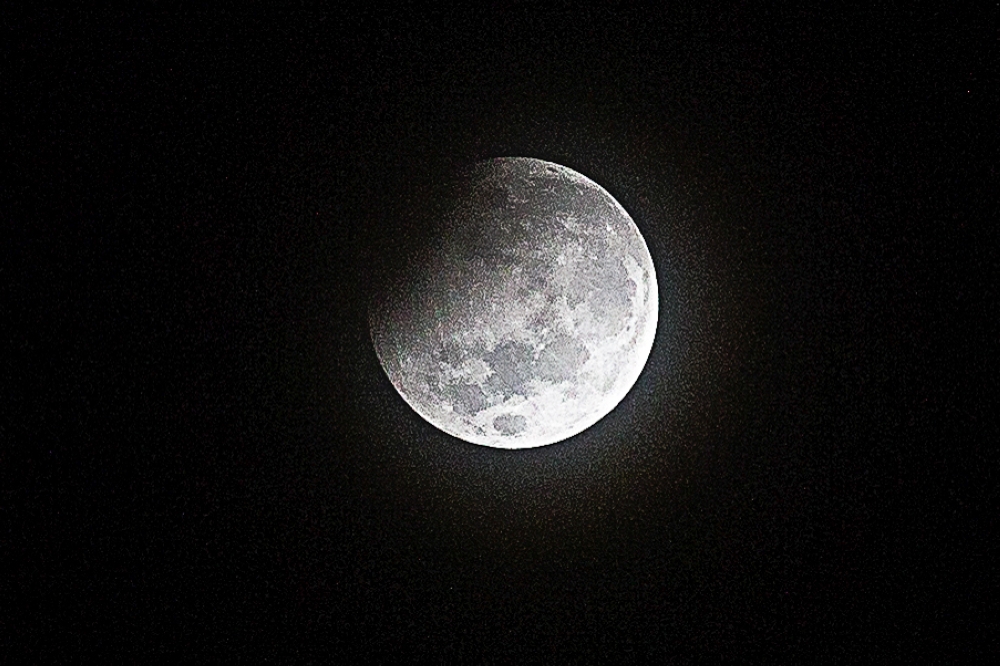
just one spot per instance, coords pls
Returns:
(534, 316)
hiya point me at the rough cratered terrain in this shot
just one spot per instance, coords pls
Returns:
(534, 314)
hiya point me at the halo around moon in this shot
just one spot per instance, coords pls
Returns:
(532, 317)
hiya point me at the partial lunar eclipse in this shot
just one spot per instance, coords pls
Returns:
(534, 314)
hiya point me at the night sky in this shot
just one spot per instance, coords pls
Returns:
(203, 460)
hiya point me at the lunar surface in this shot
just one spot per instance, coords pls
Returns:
(532, 317)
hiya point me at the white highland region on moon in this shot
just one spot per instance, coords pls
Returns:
(535, 316)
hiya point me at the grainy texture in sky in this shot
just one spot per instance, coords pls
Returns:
(202, 459)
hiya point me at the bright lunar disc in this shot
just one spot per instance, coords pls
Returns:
(532, 318)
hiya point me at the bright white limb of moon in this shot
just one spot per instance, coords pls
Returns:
(534, 318)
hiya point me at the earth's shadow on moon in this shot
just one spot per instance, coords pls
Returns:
(410, 233)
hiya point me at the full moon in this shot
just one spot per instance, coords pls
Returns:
(533, 315)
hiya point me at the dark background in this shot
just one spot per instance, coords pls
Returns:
(202, 458)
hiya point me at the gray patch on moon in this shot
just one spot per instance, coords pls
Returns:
(451, 353)
(510, 424)
(511, 363)
(465, 399)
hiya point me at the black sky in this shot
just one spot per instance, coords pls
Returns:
(203, 459)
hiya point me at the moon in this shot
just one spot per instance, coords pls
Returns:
(532, 317)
